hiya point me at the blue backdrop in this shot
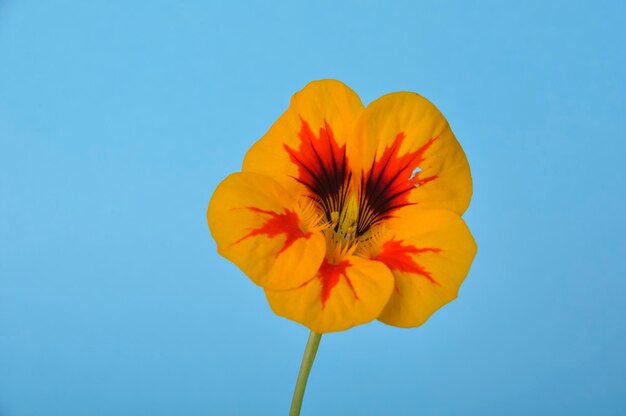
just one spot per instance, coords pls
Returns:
(118, 119)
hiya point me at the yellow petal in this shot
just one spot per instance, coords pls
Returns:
(401, 134)
(429, 253)
(308, 141)
(260, 227)
(340, 296)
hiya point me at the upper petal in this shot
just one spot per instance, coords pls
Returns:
(261, 228)
(403, 151)
(429, 253)
(307, 142)
(352, 292)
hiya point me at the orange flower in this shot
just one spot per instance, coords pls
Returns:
(346, 214)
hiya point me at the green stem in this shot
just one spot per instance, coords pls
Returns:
(305, 369)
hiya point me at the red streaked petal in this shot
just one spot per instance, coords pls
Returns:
(340, 296)
(257, 225)
(322, 166)
(386, 185)
(429, 253)
(397, 135)
(329, 109)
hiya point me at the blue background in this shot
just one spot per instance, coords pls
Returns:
(118, 119)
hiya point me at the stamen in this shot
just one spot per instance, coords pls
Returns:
(311, 218)
(371, 241)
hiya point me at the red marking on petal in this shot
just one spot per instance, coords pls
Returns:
(322, 166)
(386, 185)
(397, 256)
(287, 223)
(330, 274)
(423, 181)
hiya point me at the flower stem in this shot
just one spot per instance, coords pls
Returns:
(305, 369)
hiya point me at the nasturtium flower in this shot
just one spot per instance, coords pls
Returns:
(345, 214)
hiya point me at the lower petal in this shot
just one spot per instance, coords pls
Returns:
(258, 226)
(340, 296)
(429, 253)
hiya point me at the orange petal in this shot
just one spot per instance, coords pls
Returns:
(429, 253)
(340, 296)
(260, 227)
(402, 152)
(306, 145)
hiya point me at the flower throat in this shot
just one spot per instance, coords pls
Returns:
(352, 209)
